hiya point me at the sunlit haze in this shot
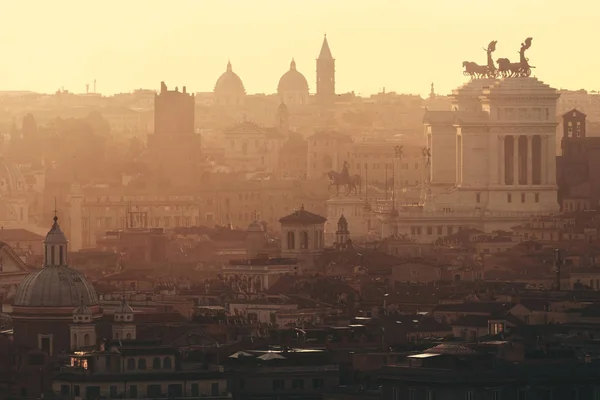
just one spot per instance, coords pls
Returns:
(400, 45)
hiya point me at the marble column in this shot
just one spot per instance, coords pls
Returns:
(529, 160)
(544, 159)
(501, 160)
(515, 160)
(552, 159)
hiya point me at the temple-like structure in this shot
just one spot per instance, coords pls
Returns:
(493, 160)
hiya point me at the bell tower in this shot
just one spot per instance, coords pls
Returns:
(283, 119)
(325, 74)
(342, 235)
(123, 326)
(83, 329)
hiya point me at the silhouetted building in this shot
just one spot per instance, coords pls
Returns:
(325, 74)
(293, 87)
(229, 89)
(174, 148)
(577, 176)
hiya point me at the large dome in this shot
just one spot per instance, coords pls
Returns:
(55, 286)
(292, 81)
(11, 178)
(230, 83)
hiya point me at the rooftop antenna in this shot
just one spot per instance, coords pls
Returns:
(55, 209)
(94, 86)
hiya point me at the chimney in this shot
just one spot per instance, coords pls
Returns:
(184, 90)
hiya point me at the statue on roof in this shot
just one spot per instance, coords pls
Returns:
(519, 69)
(344, 178)
(476, 71)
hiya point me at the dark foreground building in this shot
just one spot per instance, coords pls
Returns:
(457, 372)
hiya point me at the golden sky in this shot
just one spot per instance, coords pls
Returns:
(402, 45)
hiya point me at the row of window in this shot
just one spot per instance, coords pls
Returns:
(304, 240)
(297, 384)
(166, 364)
(132, 391)
(417, 230)
(522, 394)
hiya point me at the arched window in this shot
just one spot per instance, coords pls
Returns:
(156, 363)
(304, 240)
(130, 364)
(167, 363)
(142, 363)
(86, 339)
(291, 240)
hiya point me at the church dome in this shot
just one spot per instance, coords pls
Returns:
(12, 180)
(292, 81)
(55, 286)
(230, 82)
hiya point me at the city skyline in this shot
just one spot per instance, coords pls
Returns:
(373, 44)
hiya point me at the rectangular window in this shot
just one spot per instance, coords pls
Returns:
(195, 389)
(478, 198)
(412, 394)
(496, 395)
(76, 391)
(318, 383)
(509, 198)
(430, 395)
(114, 391)
(429, 230)
(133, 391)
(440, 230)
(450, 230)
(298, 384)
(64, 390)
(395, 394)
(522, 197)
(278, 384)
(469, 395)
(537, 197)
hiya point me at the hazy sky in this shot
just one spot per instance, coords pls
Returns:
(402, 45)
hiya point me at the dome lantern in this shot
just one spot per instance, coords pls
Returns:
(55, 246)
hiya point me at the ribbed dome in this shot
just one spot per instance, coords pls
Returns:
(292, 81)
(229, 83)
(11, 178)
(55, 286)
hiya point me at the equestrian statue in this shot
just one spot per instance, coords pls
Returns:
(344, 178)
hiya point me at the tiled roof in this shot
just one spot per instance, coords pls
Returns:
(451, 349)
(476, 307)
(303, 217)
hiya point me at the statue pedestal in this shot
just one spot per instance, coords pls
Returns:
(353, 208)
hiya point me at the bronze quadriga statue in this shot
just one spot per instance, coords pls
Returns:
(506, 69)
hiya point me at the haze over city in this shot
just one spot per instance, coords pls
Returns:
(400, 45)
(316, 200)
